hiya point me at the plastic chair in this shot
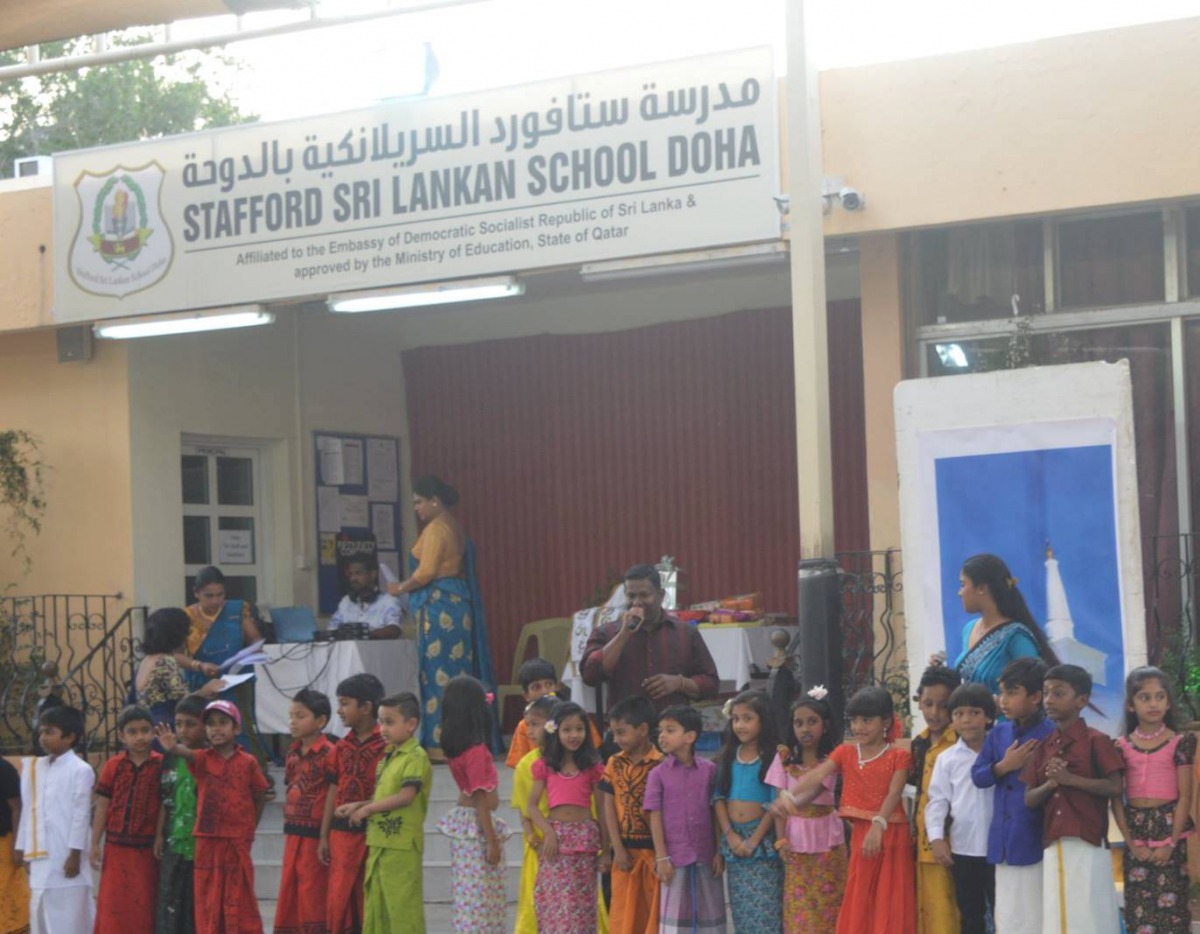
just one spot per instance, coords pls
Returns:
(553, 638)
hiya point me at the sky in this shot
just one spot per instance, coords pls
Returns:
(495, 43)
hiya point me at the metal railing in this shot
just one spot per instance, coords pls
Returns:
(65, 648)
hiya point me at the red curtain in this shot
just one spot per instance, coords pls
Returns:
(577, 456)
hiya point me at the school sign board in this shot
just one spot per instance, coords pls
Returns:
(654, 159)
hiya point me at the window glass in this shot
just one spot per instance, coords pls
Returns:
(194, 469)
(197, 544)
(235, 481)
(1193, 251)
(972, 272)
(1108, 261)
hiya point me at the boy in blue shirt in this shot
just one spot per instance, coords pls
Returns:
(1015, 836)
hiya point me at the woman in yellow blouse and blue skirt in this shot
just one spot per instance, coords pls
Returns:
(444, 601)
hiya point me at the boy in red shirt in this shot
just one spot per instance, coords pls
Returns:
(125, 818)
(305, 877)
(230, 794)
(351, 777)
(1074, 772)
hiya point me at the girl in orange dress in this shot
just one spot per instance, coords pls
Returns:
(881, 885)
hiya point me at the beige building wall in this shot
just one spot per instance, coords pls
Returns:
(1061, 124)
(79, 413)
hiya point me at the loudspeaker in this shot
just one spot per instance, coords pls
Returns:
(74, 343)
(820, 636)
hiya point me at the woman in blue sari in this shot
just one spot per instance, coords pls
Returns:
(444, 601)
(218, 628)
(1003, 631)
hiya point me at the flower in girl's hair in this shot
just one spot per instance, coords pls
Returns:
(551, 726)
(785, 754)
(818, 693)
(489, 697)
(727, 709)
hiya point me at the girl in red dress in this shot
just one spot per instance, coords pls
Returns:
(881, 885)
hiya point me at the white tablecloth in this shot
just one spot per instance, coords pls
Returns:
(322, 666)
(734, 650)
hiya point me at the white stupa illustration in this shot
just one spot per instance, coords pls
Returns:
(1060, 628)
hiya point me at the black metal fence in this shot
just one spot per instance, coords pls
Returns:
(76, 648)
(1170, 579)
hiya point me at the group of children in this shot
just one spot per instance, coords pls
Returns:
(810, 834)
(170, 833)
(1010, 804)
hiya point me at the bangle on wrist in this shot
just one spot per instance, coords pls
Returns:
(880, 821)
(663, 859)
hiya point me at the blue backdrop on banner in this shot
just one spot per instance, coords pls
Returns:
(1011, 505)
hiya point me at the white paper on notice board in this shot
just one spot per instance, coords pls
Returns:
(383, 524)
(352, 462)
(329, 509)
(383, 483)
(355, 512)
(389, 565)
(333, 471)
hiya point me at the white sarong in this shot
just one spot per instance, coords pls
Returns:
(1079, 895)
(1019, 899)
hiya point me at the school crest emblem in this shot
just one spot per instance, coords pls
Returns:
(122, 244)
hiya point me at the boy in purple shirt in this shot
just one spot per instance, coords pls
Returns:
(678, 798)
(1015, 836)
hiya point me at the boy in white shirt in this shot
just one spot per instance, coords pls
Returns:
(55, 828)
(954, 798)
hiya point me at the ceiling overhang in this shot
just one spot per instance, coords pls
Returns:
(24, 23)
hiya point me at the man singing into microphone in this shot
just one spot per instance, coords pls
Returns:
(646, 651)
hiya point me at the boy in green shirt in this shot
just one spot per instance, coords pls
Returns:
(393, 891)
(174, 844)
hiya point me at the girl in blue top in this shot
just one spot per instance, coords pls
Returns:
(1004, 629)
(742, 803)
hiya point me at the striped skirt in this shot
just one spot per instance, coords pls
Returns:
(693, 902)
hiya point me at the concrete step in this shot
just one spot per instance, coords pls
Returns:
(437, 916)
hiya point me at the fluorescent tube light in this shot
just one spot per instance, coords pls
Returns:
(188, 322)
(722, 258)
(429, 293)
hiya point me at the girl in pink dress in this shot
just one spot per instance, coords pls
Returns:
(1153, 812)
(476, 835)
(568, 772)
(811, 838)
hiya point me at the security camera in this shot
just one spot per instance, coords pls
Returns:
(782, 202)
(852, 199)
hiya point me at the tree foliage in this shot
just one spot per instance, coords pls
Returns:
(118, 103)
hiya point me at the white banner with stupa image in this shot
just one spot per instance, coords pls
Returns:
(1037, 466)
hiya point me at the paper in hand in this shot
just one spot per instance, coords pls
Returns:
(232, 681)
(240, 657)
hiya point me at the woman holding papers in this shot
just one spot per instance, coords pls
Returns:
(218, 628)
(444, 600)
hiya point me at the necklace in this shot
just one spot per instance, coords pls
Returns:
(1162, 728)
(862, 762)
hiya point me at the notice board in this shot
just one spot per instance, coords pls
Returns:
(358, 507)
